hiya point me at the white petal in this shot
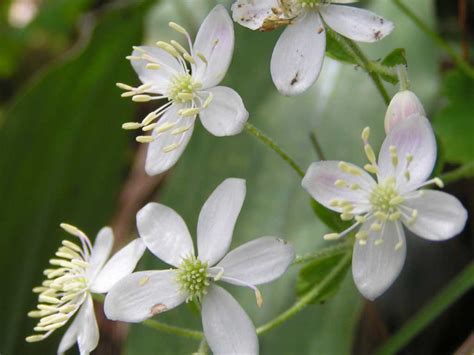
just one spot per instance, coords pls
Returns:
(375, 267)
(411, 137)
(142, 295)
(215, 40)
(88, 335)
(70, 336)
(253, 13)
(402, 106)
(159, 79)
(165, 151)
(298, 55)
(100, 251)
(120, 265)
(320, 180)
(217, 220)
(226, 114)
(227, 328)
(257, 262)
(164, 233)
(357, 24)
(440, 215)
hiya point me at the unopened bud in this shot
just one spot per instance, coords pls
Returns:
(403, 105)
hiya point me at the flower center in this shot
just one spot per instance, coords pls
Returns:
(193, 277)
(309, 3)
(386, 199)
(183, 88)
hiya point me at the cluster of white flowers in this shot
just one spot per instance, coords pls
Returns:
(188, 79)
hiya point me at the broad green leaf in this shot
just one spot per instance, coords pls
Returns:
(314, 272)
(388, 64)
(62, 158)
(453, 123)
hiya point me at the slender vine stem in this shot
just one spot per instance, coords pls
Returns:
(303, 301)
(273, 146)
(336, 249)
(464, 171)
(458, 60)
(452, 292)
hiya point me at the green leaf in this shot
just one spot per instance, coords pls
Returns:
(394, 58)
(330, 218)
(315, 271)
(454, 123)
(335, 50)
(62, 158)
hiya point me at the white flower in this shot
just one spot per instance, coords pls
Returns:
(227, 327)
(164, 72)
(381, 206)
(67, 289)
(298, 55)
(402, 106)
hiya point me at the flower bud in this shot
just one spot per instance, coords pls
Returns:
(403, 105)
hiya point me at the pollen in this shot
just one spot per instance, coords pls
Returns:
(385, 200)
(193, 277)
(182, 88)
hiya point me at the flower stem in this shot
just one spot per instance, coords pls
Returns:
(464, 171)
(303, 301)
(455, 289)
(460, 63)
(336, 249)
(272, 145)
(403, 77)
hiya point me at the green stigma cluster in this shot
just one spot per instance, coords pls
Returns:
(182, 88)
(193, 278)
(385, 198)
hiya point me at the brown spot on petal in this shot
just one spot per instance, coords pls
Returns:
(157, 309)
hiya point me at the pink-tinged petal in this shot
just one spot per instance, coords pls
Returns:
(226, 114)
(253, 13)
(298, 55)
(164, 233)
(169, 145)
(415, 138)
(323, 176)
(120, 265)
(88, 332)
(70, 336)
(376, 266)
(143, 295)
(100, 251)
(217, 220)
(159, 79)
(357, 24)
(227, 328)
(257, 262)
(215, 40)
(440, 215)
(404, 105)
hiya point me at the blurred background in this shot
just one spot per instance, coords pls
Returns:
(64, 158)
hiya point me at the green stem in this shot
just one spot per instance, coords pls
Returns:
(272, 145)
(166, 328)
(203, 348)
(317, 146)
(455, 289)
(460, 63)
(403, 77)
(465, 171)
(336, 249)
(303, 301)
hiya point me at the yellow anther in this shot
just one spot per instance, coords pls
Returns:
(365, 134)
(259, 298)
(125, 87)
(378, 242)
(149, 118)
(376, 227)
(360, 219)
(334, 202)
(396, 200)
(141, 98)
(131, 125)
(171, 147)
(180, 130)
(208, 100)
(362, 242)
(380, 216)
(355, 187)
(407, 175)
(331, 236)
(35, 338)
(179, 47)
(409, 158)
(128, 94)
(189, 112)
(178, 28)
(202, 57)
(438, 182)
(395, 216)
(371, 168)
(347, 216)
(185, 96)
(369, 152)
(153, 66)
(398, 245)
(362, 235)
(168, 47)
(189, 58)
(394, 155)
(340, 183)
(133, 57)
(348, 209)
(145, 139)
(165, 126)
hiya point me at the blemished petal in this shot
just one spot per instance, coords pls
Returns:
(100, 251)
(253, 13)
(257, 262)
(413, 137)
(88, 332)
(226, 114)
(320, 182)
(298, 55)
(215, 40)
(440, 215)
(120, 265)
(217, 220)
(164, 233)
(70, 336)
(375, 267)
(142, 295)
(159, 79)
(357, 24)
(227, 328)
(169, 145)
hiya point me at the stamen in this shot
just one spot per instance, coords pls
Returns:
(141, 98)
(131, 125)
(202, 57)
(394, 155)
(153, 66)
(171, 147)
(125, 86)
(145, 139)
(168, 48)
(177, 28)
